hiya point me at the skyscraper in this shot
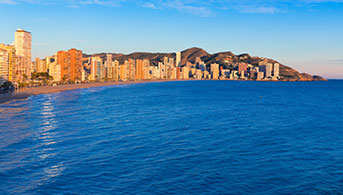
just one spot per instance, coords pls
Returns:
(8, 62)
(4, 64)
(123, 69)
(139, 69)
(215, 71)
(102, 72)
(108, 60)
(185, 72)
(146, 65)
(95, 63)
(178, 59)
(276, 70)
(22, 43)
(116, 70)
(131, 69)
(178, 73)
(269, 68)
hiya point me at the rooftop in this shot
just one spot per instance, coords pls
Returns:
(21, 30)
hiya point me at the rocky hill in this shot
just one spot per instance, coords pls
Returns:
(225, 59)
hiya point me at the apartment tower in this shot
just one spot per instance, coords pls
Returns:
(22, 43)
(71, 64)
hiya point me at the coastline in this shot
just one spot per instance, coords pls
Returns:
(25, 93)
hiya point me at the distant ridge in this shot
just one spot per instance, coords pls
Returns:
(223, 58)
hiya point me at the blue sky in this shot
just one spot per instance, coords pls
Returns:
(305, 34)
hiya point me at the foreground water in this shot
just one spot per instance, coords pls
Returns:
(195, 137)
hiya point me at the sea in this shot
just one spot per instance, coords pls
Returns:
(182, 137)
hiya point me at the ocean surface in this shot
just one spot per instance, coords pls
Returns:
(192, 137)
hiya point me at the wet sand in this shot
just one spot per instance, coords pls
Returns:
(25, 93)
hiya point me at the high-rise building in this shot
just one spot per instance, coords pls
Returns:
(131, 69)
(108, 60)
(168, 67)
(62, 60)
(185, 72)
(269, 68)
(102, 75)
(276, 70)
(8, 62)
(4, 64)
(139, 69)
(146, 66)
(127, 70)
(22, 43)
(109, 71)
(215, 71)
(173, 72)
(178, 59)
(115, 70)
(123, 69)
(71, 64)
(95, 66)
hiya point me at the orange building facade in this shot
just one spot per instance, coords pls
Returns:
(139, 69)
(71, 64)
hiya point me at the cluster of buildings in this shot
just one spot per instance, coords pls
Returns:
(97, 69)
(15, 59)
(70, 66)
(243, 71)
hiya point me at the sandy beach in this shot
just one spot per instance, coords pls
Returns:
(25, 93)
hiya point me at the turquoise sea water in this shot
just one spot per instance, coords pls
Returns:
(194, 137)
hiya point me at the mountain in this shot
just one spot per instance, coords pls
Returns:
(222, 58)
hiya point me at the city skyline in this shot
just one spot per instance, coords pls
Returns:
(303, 35)
(71, 66)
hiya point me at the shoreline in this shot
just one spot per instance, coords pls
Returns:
(25, 93)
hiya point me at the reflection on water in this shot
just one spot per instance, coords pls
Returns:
(210, 137)
(13, 126)
(47, 137)
(53, 171)
(12, 110)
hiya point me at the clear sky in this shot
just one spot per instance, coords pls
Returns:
(304, 34)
